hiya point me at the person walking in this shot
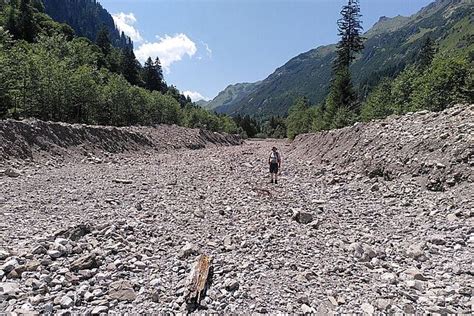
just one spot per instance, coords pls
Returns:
(275, 165)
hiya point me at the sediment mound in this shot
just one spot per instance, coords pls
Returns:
(29, 139)
(437, 147)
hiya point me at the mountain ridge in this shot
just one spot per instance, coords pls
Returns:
(386, 54)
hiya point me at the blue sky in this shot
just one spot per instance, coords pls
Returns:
(206, 45)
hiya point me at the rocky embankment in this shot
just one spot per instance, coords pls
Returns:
(31, 139)
(121, 234)
(436, 148)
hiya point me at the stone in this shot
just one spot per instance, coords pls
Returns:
(88, 261)
(383, 304)
(451, 217)
(54, 254)
(231, 285)
(389, 278)
(307, 309)
(416, 252)
(302, 217)
(66, 302)
(362, 252)
(188, 249)
(9, 288)
(12, 173)
(98, 310)
(198, 213)
(9, 265)
(122, 290)
(414, 273)
(4, 254)
(367, 308)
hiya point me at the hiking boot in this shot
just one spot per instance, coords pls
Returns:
(271, 181)
(276, 182)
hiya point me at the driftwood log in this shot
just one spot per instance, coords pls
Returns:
(199, 281)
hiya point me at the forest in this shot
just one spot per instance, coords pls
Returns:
(437, 79)
(49, 73)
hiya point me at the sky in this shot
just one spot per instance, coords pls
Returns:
(205, 45)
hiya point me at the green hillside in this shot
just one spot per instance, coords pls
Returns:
(231, 95)
(391, 45)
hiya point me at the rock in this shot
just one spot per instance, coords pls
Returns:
(302, 217)
(122, 290)
(416, 252)
(198, 213)
(66, 302)
(54, 254)
(9, 289)
(4, 254)
(98, 310)
(367, 309)
(437, 240)
(415, 284)
(389, 278)
(9, 265)
(39, 250)
(88, 261)
(123, 181)
(188, 249)
(362, 252)
(155, 297)
(451, 217)
(383, 304)
(231, 285)
(414, 273)
(307, 309)
(12, 173)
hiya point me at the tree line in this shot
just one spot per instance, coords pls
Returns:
(435, 81)
(47, 72)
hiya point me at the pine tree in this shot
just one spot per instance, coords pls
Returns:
(130, 67)
(11, 24)
(342, 98)
(103, 41)
(153, 75)
(26, 25)
(426, 54)
(350, 30)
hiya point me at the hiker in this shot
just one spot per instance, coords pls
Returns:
(275, 163)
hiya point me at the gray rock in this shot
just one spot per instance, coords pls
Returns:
(9, 265)
(88, 261)
(302, 217)
(231, 285)
(4, 254)
(98, 310)
(122, 290)
(66, 302)
(367, 308)
(188, 249)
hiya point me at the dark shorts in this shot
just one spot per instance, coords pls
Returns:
(273, 168)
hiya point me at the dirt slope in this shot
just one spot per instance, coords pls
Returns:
(34, 138)
(436, 147)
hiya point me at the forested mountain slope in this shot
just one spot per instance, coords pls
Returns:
(86, 17)
(391, 44)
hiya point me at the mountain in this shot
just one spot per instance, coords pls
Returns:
(391, 44)
(231, 95)
(86, 17)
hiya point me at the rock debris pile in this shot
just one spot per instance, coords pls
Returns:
(123, 235)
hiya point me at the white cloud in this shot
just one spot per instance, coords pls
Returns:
(125, 24)
(195, 96)
(169, 49)
(208, 50)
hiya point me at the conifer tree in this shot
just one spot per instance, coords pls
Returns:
(153, 75)
(426, 54)
(26, 25)
(103, 41)
(341, 104)
(130, 66)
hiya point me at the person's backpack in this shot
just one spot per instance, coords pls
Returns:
(274, 157)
